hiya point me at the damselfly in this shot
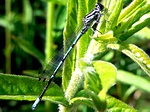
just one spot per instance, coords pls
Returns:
(90, 20)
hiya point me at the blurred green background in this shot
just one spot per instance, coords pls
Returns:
(24, 23)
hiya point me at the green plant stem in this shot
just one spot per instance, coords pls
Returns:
(49, 30)
(8, 37)
(75, 83)
(49, 38)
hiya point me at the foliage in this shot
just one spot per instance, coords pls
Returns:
(97, 71)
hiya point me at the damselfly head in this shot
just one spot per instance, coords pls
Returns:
(99, 6)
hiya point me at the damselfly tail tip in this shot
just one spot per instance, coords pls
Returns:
(35, 103)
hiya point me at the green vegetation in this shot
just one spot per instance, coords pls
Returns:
(107, 71)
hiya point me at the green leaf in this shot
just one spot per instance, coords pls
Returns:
(98, 79)
(135, 53)
(70, 27)
(143, 9)
(105, 38)
(115, 7)
(107, 73)
(131, 90)
(16, 87)
(59, 2)
(99, 103)
(115, 105)
(144, 21)
(75, 13)
(143, 33)
(124, 24)
(82, 97)
(5, 23)
(131, 79)
(27, 12)
(29, 48)
(91, 81)
(84, 7)
(125, 27)
(132, 8)
(127, 23)
(82, 100)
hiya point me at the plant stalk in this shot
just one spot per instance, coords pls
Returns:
(8, 36)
